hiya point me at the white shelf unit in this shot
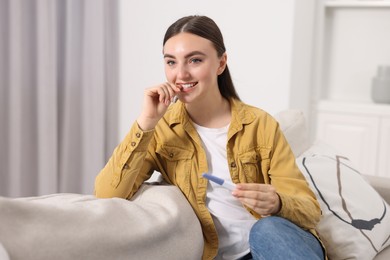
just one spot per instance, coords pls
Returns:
(353, 39)
(359, 131)
(357, 3)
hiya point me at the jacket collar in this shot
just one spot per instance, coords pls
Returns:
(176, 114)
(241, 115)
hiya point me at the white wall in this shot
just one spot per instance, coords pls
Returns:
(259, 37)
(301, 88)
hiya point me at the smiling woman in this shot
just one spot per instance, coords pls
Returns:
(209, 130)
(193, 66)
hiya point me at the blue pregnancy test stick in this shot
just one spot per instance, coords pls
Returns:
(227, 184)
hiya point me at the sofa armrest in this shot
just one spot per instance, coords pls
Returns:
(381, 185)
(157, 223)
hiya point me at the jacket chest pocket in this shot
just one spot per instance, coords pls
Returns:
(250, 166)
(254, 164)
(177, 165)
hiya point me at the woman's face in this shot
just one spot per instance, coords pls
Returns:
(192, 64)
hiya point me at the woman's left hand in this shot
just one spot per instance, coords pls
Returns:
(262, 198)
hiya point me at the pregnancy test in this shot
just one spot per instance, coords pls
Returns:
(226, 184)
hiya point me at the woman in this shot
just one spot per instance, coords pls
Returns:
(272, 212)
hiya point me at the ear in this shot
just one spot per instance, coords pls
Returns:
(222, 63)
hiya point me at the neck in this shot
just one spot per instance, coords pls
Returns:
(212, 113)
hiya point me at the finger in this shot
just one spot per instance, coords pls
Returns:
(252, 186)
(152, 92)
(163, 93)
(253, 195)
(253, 202)
(253, 190)
(175, 88)
(166, 94)
(172, 90)
(175, 91)
(260, 208)
(263, 208)
(262, 203)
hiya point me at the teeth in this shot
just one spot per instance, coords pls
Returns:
(186, 86)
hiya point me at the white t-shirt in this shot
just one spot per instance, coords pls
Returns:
(232, 221)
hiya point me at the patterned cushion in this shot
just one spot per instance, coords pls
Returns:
(356, 221)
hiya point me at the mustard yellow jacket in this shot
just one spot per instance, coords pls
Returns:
(257, 152)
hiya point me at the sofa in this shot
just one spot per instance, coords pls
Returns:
(158, 223)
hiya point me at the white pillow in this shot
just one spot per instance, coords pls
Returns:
(355, 221)
(293, 124)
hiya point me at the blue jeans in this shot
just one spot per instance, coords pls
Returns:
(278, 238)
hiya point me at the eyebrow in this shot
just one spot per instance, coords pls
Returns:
(187, 56)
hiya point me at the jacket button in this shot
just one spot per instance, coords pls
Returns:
(126, 166)
(133, 144)
(233, 165)
(171, 155)
(138, 135)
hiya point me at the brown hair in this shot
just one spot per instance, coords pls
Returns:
(206, 28)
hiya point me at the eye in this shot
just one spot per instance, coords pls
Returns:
(195, 60)
(170, 62)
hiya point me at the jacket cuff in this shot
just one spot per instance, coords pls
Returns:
(137, 139)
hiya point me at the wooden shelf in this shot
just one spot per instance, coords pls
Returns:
(357, 3)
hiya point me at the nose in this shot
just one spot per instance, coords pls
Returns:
(183, 72)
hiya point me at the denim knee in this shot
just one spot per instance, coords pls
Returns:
(269, 225)
(277, 238)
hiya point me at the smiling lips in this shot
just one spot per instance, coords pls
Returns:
(186, 86)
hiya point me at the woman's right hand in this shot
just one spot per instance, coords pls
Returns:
(156, 102)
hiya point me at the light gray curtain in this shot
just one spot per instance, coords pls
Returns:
(58, 94)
